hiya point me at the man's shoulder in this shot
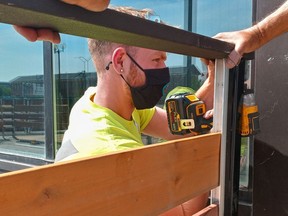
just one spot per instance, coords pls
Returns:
(85, 100)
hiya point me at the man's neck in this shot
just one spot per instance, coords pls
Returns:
(113, 97)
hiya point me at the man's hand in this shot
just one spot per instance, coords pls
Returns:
(49, 35)
(245, 41)
(92, 5)
(209, 114)
(206, 91)
(38, 34)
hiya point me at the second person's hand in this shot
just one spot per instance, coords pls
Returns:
(44, 34)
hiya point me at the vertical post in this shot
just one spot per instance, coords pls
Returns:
(227, 92)
(233, 140)
(220, 125)
(190, 13)
(49, 100)
(57, 50)
(59, 71)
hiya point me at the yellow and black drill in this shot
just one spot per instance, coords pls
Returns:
(185, 115)
(249, 115)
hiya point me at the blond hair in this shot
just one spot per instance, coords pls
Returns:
(100, 49)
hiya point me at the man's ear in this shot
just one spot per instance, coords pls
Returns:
(118, 57)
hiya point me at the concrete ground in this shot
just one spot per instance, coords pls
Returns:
(23, 144)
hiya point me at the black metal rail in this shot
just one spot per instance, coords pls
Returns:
(233, 140)
(110, 25)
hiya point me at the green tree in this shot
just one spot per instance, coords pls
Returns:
(5, 91)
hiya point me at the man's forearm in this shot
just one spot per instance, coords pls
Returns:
(273, 25)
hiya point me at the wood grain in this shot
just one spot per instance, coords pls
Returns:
(143, 181)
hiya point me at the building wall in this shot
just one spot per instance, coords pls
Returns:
(270, 192)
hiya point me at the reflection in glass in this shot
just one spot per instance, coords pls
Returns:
(21, 96)
(73, 74)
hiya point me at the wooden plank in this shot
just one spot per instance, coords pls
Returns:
(110, 26)
(211, 210)
(143, 181)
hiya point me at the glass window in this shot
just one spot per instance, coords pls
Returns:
(73, 73)
(209, 18)
(21, 95)
(74, 68)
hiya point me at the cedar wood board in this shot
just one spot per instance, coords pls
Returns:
(143, 181)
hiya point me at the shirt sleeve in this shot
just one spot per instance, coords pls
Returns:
(145, 117)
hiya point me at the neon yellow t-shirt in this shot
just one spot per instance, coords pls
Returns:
(95, 130)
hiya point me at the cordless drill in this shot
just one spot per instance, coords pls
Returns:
(249, 115)
(185, 115)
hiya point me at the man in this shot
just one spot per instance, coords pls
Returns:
(250, 39)
(112, 116)
(47, 34)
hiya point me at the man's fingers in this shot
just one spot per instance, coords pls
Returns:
(28, 33)
(48, 35)
(38, 34)
(205, 61)
(208, 114)
(92, 5)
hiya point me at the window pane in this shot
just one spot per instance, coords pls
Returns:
(21, 95)
(74, 68)
(211, 18)
(74, 73)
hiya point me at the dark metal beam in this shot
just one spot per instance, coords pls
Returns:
(110, 25)
(235, 90)
(50, 142)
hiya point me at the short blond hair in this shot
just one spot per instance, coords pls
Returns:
(99, 49)
(142, 13)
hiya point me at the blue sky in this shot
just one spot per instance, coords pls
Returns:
(19, 57)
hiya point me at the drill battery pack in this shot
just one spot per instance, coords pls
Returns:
(249, 122)
(249, 116)
(185, 115)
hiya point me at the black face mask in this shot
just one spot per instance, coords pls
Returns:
(148, 95)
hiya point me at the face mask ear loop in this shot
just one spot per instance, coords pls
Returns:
(164, 88)
(125, 80)
(135, 62)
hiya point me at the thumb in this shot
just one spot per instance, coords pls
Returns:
(209, 114)
(233, 59)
